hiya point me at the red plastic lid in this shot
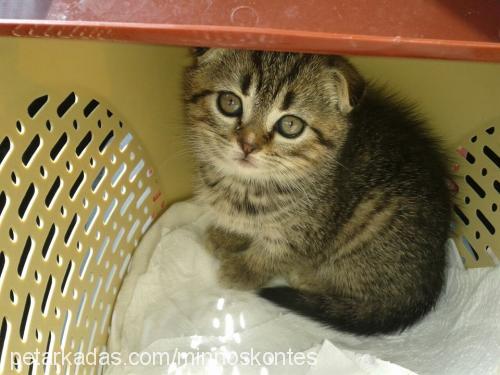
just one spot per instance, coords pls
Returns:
(445, 29)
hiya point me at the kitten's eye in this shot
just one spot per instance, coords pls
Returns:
(229, 104)
(290, 126)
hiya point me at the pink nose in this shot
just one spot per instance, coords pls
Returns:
(247, 147)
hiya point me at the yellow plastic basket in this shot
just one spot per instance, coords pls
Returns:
(91, 152)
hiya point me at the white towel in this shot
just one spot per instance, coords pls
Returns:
(171, 306)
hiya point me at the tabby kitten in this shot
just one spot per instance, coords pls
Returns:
(314, 175)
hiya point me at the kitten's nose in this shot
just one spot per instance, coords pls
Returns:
(247, 147)
(248, 141)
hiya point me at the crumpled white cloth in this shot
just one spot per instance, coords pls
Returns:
(171, 313)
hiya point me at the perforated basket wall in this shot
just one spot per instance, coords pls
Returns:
(76, 194)
(476, 211)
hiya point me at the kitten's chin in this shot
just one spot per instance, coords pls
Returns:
(248, 168)
(246, 163)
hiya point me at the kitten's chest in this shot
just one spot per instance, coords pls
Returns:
(249, 209)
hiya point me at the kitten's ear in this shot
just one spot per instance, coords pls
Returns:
(202, 54)
(198, 51)
(350, 84)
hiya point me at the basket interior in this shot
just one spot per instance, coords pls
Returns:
(91, 135)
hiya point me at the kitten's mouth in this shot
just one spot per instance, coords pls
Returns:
(246, 163)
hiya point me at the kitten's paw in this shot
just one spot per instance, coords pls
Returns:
(214, 248)
(300, 281)
(235, 274)
(222, 244)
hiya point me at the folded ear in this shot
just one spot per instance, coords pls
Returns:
(198, 51)
(350, 84)
(202, 54)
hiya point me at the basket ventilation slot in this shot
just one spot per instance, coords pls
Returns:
(63, 248)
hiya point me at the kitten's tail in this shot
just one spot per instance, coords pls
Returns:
(345, 314)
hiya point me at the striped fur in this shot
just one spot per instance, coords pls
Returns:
(354, 212)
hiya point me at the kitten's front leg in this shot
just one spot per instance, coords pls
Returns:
(221, 243)
(246, 270)
(244, 264)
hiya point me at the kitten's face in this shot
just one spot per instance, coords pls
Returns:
(263, 115)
